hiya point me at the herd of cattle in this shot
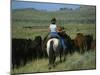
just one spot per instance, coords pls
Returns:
(24, 50)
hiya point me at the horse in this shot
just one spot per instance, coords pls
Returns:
(54, 49)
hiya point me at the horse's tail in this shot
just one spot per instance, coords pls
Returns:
(51, 53)
(51, 50)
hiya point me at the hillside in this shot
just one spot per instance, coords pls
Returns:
(83, 15)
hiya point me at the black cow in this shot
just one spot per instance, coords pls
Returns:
(89, 39)
(24, 50)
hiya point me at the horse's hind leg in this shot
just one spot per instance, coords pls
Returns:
(50, 62)
(64, 57)
(54, 58)
(60, 57)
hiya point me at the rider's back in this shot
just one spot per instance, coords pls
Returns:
(53, 27)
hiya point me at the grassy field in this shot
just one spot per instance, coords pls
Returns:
(73, 62)
(28, 23)
(71, 30)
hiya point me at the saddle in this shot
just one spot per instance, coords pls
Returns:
(49, 37)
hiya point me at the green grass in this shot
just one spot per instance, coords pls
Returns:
(71, 30)
(73, 62)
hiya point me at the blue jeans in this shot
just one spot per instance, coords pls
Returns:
(55, 34)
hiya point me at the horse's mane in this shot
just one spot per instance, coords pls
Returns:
(44, 42)
(65, 36)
